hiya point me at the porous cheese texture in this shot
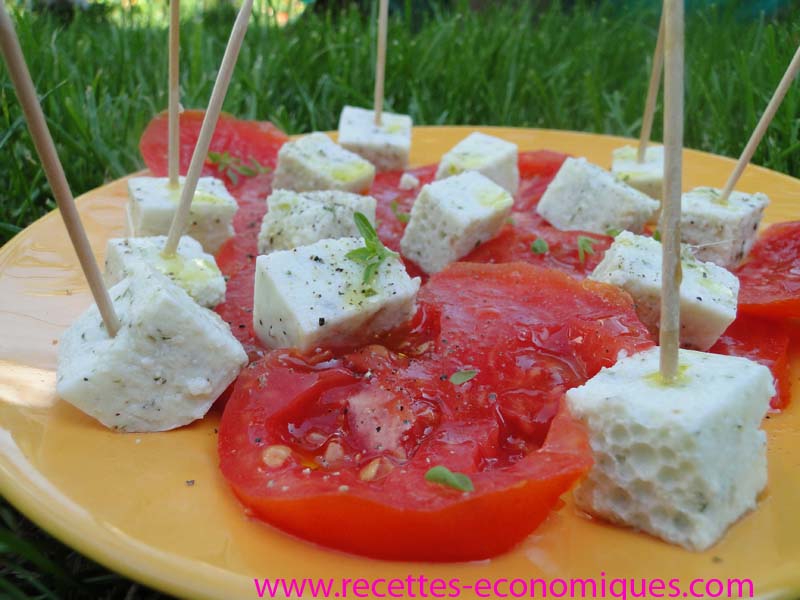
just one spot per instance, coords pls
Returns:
(587, 198)
(491, 156)
(315, 162)
(386, 145)
(301, 218)
(452, 217)
(721, 232)
(152, 204)
(169, 362)
(708, 292)
(191, 268)
(646, 176)
(680, 461)
(315, 295)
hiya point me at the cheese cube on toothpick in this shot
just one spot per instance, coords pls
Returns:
(145, 357)
(315, 162)
(300, 218)
(452, 217)
(675, 433)
(316, 295)
(386, 145)
(680, 461)
(169, 362)
(587, 198)
(721, 231)
(153, 202)
(708, 293)
(191, 268)
(491, 156)
(646, 176)
(642, 167)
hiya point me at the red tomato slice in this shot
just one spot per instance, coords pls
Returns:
(765, 342)
(245, 140)
(394, 205)
(536, 169)
(540, 163)
(237, 261)
(770, 279)
(362, 431)
(515, 241)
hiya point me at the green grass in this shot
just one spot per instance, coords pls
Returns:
(527, 65)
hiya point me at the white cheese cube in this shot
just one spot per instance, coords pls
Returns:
(152, 205)
(453, 216)
(489, 155)
(315, 162)
(191, 268)
(386, 146)
(408, 182)
(300, 218)
(681, 461)
(169, 362)
(708, 292)
(646, 176)
(722, 233)
(314, 295)
(587, 198)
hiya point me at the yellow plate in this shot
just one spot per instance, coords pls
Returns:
(126, 500)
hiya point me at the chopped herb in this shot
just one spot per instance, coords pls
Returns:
(444, 476)
(460, 377)
(540, 246)
(233, 166)
(613, 232)
(585, 246)
(401, 216)
(657, 235)
(373, 253)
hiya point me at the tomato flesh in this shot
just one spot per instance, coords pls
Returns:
(245, 140)
(364, 428)
(765, 342)
(770, 278)
(515, 243)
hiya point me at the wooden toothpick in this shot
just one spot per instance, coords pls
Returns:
(670, 223)
(173, 153)
(763, 125)
(652, 93)
(181, 219)
(23, 84)
(380, 60)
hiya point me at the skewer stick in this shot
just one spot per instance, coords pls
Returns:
(763, 125)
(181, 219)
(380, 61)
(670, 225)
(21, 77)
(652, 93)
(173, 153)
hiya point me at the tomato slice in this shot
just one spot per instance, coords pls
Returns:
(335, 450)
(536, 170)
(243, 140)
(770, 278)
(765, 342)
(515, 243)
(237, 261)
